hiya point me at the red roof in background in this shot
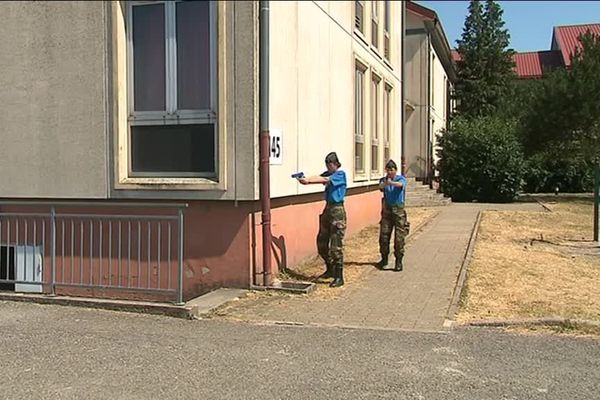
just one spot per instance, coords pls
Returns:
(565, 42)
(534, 64)
(530, 64)
(567, 38)
(455, 55)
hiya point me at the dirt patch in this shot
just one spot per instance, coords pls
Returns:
(569, 248)
(535, 264)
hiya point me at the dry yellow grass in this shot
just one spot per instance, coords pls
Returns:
(522, 269)
(361, 252)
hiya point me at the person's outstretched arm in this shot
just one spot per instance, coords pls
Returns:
(314, 180)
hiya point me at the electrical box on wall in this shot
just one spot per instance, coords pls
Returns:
(26, 262)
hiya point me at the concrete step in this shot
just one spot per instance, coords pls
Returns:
(419, 195)
(417, 187)
(429, 203)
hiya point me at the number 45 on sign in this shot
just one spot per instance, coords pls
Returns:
(276, 147)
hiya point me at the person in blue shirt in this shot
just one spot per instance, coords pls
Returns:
(332, 222)
(393, 216)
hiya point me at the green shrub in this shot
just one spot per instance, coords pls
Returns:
(546, 171)
(480, 159)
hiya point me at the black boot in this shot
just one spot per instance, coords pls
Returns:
(329, 272)
(398, 266)
(383, 263)
(339, 277)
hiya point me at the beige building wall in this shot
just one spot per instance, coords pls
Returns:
(439, 98)
(416, 64)
(65, 85)
(64, 104)
(53, 100)
(426, 97)
(314, 50)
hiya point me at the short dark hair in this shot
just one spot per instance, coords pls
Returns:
(332, 158)
(391, 165)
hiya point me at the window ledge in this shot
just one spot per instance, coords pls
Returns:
(148, 183)
(364, 181)
(388, 63)
(362, 37)
(361, 178)
(376, 51)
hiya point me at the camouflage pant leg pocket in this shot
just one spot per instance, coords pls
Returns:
(340, 225)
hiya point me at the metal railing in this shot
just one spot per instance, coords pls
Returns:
(113, 251)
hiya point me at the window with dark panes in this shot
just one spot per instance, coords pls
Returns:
(375, 123)
(359, 9)
(387, 123)
(386, 29)
(374, 24)
(172, 89)
(359, 112)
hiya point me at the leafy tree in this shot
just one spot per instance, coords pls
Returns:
(565, 116)
(517, 102)
(485, 67)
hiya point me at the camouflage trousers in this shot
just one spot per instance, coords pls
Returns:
(330, 240)
(393, 218)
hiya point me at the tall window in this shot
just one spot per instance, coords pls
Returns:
(433, 88)
(359, 13)
(448, 102)
(359, 113)
(387, 125)
(375, 123)
(386, 29)
(444, 98)
(374, 23)
(172, 88)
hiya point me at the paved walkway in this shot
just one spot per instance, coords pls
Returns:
(416, 298)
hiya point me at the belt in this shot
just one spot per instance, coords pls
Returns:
(332, 203)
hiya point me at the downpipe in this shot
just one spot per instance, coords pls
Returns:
(264, 144)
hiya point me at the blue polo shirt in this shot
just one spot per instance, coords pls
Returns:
(392, 195)
(335, 190)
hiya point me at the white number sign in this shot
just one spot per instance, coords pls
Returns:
(276, 147)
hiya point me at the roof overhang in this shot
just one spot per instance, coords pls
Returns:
(439, 40)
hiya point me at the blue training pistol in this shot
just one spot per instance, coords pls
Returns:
(298, 175)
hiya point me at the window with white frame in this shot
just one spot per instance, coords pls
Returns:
(375, 23)
(375, 80)
(432, 87)
(445, 98)
(359, 10)
(359, 116)
(387, 123)
(386, 29)
(172, 88)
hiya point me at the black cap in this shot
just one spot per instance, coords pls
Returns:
(391, 165)
(332, 158)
